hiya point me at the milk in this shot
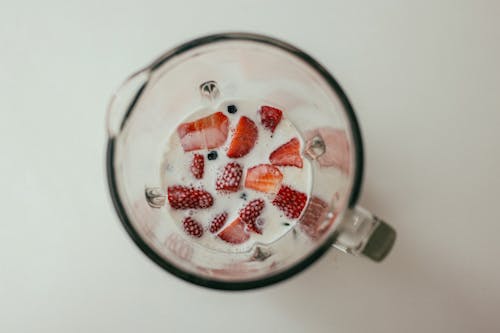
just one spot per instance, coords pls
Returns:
(176, 171)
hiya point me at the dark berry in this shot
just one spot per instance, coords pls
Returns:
(243, 196)
(212, 155)
(232, 108)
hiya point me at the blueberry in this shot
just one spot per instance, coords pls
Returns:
(232, 108)
(212, 155)
(243, 196)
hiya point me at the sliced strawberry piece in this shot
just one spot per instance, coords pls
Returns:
(192, 227)
(218, 222)
(288, 154)
(182, 197)
(264, 178)
(250, 213)
(198, 166)
(204, 133)
(314, 223)
(230, 178)
(290, 201)
(244, 138)
(234, 233)
(270, 117)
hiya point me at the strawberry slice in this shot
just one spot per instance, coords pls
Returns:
(198, 166)
(234, 233)
(270, 117)
(192, 227)
(314, 222)
(204, 133)
(230, 178)
(264, 178)
(250, 213)
(290, 201)
(218, 222)
(244, 138)
(182, 197)
(288, 154)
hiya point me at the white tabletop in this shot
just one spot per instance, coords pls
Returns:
(424, 79)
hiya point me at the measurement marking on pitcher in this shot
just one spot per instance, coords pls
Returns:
(155, 197)
(209, 90)
(315, 147)
(261, 254)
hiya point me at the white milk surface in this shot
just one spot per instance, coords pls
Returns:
(176, 171)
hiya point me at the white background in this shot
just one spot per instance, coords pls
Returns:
(424, 77)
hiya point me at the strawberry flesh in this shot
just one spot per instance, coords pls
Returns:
(290, 201)
(230, 178)
(287, 154)
(198, 166)
(204, 133)
(244, 138)
(234, 233)
(218, 222)
(192, 227)
(270, 117)
(182, 197)
(250, 213)
(263, 178)
(314, 223)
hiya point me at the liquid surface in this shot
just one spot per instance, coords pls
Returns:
(176, 171)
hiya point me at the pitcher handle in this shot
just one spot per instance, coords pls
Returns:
(362, 233)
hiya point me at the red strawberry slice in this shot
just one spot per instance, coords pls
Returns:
(234, 233)
(314, 222)
(198, 166)
(250, 213)
(192, 227)
(244, 138)
(288, 154)
(264, 178)
(230, 178)
(218, 222)
(204, 133)
(290, 201)
(182, 197)
(270, 117)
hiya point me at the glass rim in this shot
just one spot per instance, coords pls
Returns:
(314, 255)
